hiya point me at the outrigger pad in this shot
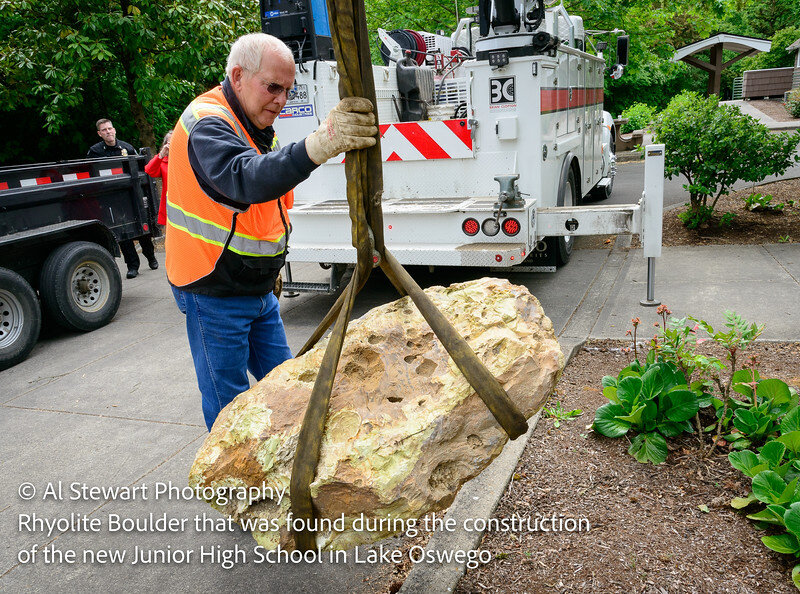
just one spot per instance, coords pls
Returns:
(404, 429)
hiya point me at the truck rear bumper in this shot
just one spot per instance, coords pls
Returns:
(473, 254)
(424, 232)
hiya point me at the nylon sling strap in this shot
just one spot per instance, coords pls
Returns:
(363, 170)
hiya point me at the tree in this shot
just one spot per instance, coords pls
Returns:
(142, 60)
(764, 18)
(713, 146)
(656, 28)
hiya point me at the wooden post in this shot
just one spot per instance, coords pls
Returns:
(715, 75)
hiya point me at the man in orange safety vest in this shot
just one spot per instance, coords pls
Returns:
(230, 188)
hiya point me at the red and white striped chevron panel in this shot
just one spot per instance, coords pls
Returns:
(422, 141)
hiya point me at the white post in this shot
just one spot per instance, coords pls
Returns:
(652, 214)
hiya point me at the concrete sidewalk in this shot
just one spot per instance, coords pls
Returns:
(120, 407)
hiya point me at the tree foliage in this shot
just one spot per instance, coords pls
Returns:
(713, 146)
(763, 18)
(66, 63)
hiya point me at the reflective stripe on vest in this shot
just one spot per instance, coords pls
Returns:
(190, 117)
(210, 232)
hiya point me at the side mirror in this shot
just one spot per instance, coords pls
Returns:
(622, 50)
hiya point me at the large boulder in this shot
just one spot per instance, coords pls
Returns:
(405, 430)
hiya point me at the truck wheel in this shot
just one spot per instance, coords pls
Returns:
(562, 246)
(20, 318)
(601, 193)
(80, 286)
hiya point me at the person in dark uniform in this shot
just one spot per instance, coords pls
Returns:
(111, 147)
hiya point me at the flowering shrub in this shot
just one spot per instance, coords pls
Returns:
(639, 116)
(677, 384)
(793, 103)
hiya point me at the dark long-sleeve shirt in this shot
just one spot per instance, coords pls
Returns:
(232, 172)
(101, 149)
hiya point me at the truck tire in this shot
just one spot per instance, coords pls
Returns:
(80, 286)
(562, 246)
(20, 318)
(601, 193)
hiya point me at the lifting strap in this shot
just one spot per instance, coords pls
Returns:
(364, 188)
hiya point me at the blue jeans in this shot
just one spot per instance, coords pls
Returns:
(228, 336)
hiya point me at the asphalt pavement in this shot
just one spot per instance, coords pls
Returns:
(119, 407)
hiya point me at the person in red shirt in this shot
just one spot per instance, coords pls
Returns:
(157, 167)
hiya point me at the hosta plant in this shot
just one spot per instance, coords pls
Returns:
(775, 473)
(651, 400)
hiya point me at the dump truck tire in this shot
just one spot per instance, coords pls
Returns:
(81, 286)
(20, 318)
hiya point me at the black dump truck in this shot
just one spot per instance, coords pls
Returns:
(60, 224)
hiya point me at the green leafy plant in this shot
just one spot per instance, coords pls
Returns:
(713, 146)
(694, 217)
(558, 414)
(726, 220)
(758, 418)
(736, 337)
(784, 239)
(677, 341)
(762, 202)
(775, 471)
(651, 399)
(639, 116)
(793, 103)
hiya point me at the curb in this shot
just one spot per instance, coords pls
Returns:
(477, 499)
(626, 156)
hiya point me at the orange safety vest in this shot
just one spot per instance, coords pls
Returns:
(198, 228)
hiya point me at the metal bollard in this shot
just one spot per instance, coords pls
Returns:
(652, 215)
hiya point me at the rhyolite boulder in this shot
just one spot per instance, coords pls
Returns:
(405, 430)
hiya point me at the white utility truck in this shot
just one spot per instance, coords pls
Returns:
(494, 140)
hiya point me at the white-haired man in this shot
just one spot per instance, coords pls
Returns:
(230, 187)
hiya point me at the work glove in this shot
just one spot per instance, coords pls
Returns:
(349, 126)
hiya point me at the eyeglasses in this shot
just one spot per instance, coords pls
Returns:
(272, 88)
(276, 89)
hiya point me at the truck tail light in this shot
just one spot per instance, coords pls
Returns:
(511, 227)
(470, 227)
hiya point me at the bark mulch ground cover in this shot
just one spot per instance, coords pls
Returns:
(649, 528)
(748, 227)
(774, 109)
